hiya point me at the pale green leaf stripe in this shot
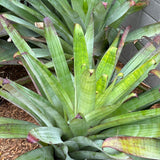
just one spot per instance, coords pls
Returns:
(89, 37)
(24, 23)
(81, 60)
(44, 153)
(49, 83)
(149, 31)
(49, 135)
(16, 37)
(107, 63)
(125, 119)
(131, 81)
(28, 9)
(58, 58)
(151, 130)
(138, 146)
(143, 100)
(18, 11)
(59, 25)
(15, 130)
(48, 109)
(87, 95)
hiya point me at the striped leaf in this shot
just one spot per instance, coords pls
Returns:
(142, 147)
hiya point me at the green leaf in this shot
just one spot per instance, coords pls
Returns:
(89, 37)
(107, 63)
(50, 135)
(58, 58)
(44, 153)
(130, 82)
(149, 31)
(50, 84)
(16, 37)
(18, 11)
(87, 95)
(151, 130)
(11, 128)
(142, 101)
(118, 13)
(24, 23)
(141, 147)
(81, 60)
(125, 119)
(50, 111)
(59, 25)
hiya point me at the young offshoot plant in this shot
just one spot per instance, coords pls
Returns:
(84, 113)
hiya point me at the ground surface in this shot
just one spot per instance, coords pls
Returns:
(10, 149)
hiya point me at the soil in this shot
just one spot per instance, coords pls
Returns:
(10, 149)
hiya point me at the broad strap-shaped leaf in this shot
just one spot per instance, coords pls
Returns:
(38, 154)
(19, 11)
(149, 31)
(148, 50)
(141, 147)
(151, 130)
(24, 23)
(11, 128)
(81, 60)
(118, 13)
(50, 111)
(131, 81)
(107, 63)
(58, 58)
(78, 6)
(28, 9)
(87, 95)
(13, 95)
(59, 25)
(125, 119)
(15, 36)
(142, 101)
(69, 15)
(89, 37)
(50, 135)
(50, 84)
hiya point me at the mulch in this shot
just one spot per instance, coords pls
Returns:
(10, 149)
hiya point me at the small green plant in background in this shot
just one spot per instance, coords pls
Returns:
(100, 21)
(77, 111)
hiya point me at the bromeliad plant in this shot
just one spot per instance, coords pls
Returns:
(77, 111)
(106, 15)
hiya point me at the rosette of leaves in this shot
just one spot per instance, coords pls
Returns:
(77, 111)
(99, 19)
